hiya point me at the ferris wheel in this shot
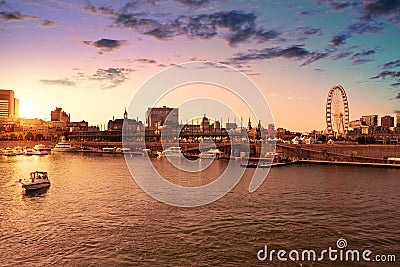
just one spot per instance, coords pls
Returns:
(337, 111)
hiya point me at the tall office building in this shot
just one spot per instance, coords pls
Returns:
(9, 106)
(387, 121)
(369, 120)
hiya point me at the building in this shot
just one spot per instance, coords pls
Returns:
(355, 124)
(158, 117)
(387, 121)
(205, 125)
(119, 124)
(369, 120)
(231, 126)
(9, 106)
(398, 120)
(78, 126)
(271, 130)
(59, 115)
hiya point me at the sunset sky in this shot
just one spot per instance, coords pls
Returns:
(90, 57)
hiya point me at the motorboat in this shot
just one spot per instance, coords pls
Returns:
(174, 151)
(211, 154)
(28, 151)
(64, 147)
(39, 150)
(18, 150)
(123, 150)
(8, 152)
(36, 180)
(109, 149)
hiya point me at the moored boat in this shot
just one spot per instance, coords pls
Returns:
(64, 147)
(211, 154)
(28, 151)
(36, 180)
(174, 151)
(18, 150)
(8, 152)
(40, 150)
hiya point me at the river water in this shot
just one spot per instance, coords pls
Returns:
(94, 214)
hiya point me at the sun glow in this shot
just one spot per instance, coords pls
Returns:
(27, 109)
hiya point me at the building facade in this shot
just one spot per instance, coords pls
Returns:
(158, 117)
(59, 115)
(387, 121)
(398, 120)
(9, 106)
(369, 120)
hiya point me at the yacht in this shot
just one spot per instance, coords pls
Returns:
(36, 180)
(174, 151)
(211, 154)
(18, 150)
(8, 152)
(28, 151)
(64, 147)
(40, 150)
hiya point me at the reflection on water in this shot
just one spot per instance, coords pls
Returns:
(95, 214)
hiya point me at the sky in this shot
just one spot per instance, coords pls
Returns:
(91, 57)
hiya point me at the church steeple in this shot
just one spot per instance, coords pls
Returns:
(125, 115)
(249, 125)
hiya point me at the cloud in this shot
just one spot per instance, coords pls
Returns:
(89, 7)
(392, 64)
(9, 14)
(396, 97)
(302, 33)
(362, 57)
(60, 82)
(106, 45)
(48, 24)
(15, 16)
(312, 12)
(386, 73)
(146, 61)
(296, 52)
(194, 3)
(382, 7)
(111, 77)
(391, 75)
(233, 26)
(355, 28)
(102, 78)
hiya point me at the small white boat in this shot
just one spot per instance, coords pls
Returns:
(109, 149)
(123, 150)
(28, 151)
(36, 180)
(174, 151)
(211, 154)
(8, 152)
(40, 150)
(18, 150)
(64, 147)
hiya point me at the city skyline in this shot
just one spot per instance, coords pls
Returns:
(90, 57)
